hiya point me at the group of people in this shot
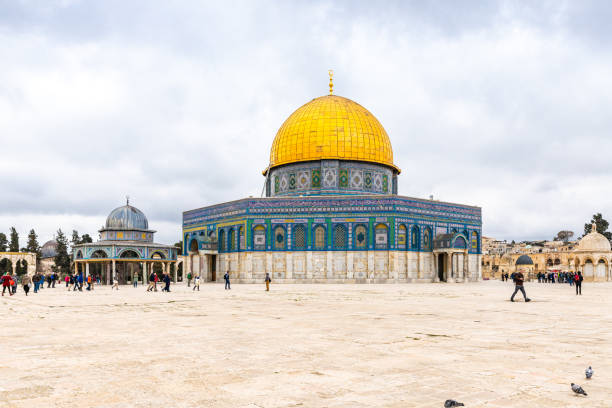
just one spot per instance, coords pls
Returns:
(563, 277)
(558, 277)
(76, 281)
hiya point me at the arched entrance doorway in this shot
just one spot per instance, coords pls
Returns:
(128, 270)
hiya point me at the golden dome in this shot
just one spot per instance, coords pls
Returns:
(331, 127)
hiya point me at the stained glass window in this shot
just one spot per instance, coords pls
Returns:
(279, 238)
(414, 238)
(222, 240)
(474, 240)
(427, 239)
(361, 237)
(401, 237)
(340, 237)
(259, 237)
(381, 236)
(232, 240)
(319, 234)
(299, 237)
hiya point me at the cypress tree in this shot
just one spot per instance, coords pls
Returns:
(33, 245)
(62, 259)
(3, 242)
(14, 244)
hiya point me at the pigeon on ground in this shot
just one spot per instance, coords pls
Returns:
(578, 389)
(452, 403)
(588, 372)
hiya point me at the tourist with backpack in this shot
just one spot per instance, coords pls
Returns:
(578, 281)
(6, 284)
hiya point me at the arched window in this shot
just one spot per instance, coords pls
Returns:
(381, 236)
(474, 241)
(415, 239)
(299, 237)
(340, 237)
(232, 240)
(193, 245)
(427, 238)
(222, 243)
(279, 238)
(259, 238)
(241, 238)
(319, 237)
(460, 243)
(401, 237)
(361, 237)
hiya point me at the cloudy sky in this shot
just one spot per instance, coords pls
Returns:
(504, 105)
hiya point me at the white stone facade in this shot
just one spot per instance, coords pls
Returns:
(333, 266)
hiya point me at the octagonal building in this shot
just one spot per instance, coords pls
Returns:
(331, 213)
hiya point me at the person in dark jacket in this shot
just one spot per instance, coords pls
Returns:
(268, 281)
(227, 281)
(578, 281)
(167, 282)
(518, 282)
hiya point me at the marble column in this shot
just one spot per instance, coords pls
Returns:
(145, 274)
(86, 269)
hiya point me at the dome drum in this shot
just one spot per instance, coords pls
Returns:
(331, 177)
(127, 223)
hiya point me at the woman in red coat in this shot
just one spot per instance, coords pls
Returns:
(6, 284)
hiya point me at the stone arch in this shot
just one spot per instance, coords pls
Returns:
(79, 254)
(193, 245)
(160, 255)
(557, 261)
(129, 253)
(99, 253)
(588, 268)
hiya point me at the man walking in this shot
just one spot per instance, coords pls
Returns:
(189, 276)
(196, 282)
(268, 280)
(578, 280)
(115, 283)
(227, 281)
(518, 282)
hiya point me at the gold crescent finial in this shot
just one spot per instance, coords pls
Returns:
(331, 81)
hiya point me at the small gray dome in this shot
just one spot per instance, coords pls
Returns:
(49, 249)
(126, 218)
(524, 260)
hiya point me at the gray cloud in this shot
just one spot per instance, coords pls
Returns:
(498, 104)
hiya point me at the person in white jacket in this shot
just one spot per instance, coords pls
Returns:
(196, 282)
(115, 283)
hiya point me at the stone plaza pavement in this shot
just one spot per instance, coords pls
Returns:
(404, 345)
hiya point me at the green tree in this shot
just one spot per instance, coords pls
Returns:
(33, 245)
(14, 244)
(3, 242)
(179, 245)
(62, 259)
(86, 239)
(76, 240)
(600, 224)
(564, 236)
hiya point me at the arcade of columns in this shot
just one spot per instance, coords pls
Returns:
(146, 267)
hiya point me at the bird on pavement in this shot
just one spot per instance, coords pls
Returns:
(452, 403)
(578, 389)
(588, 372)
